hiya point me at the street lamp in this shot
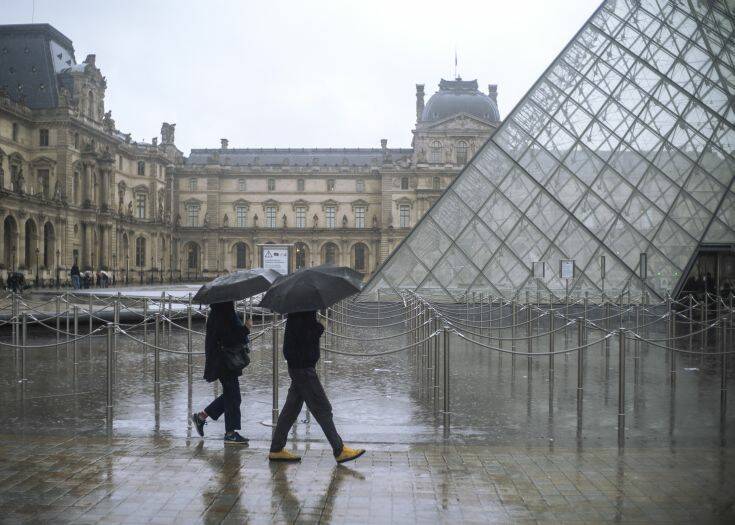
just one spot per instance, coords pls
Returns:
(140, 265)
(151, 269)
(181, 274)
(114, 266)
(160, 270)
(127, 268)
(58, 263)
(37, 252)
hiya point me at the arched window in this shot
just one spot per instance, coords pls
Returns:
(31, 239)
(461, 152)
(48, 245)
(90, 104)
(140, 251)
(192, 256)
(360, 258)
(330, 253)
(436, 152)
(241, 255)
(300, 254)
(141, 167)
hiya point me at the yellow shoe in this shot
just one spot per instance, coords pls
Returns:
(283, 455)
(348, 454)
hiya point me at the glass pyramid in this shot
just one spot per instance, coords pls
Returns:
(625, 145)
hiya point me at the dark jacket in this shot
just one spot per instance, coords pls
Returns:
(224, 328)
(75, 270)
(301, 340)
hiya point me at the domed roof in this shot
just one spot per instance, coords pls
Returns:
(460, 96)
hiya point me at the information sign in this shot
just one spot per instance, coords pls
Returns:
(566, 268)
(276, 259)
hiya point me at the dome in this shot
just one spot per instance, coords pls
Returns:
(460, 96)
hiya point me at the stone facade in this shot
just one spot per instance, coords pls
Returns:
(73, 187)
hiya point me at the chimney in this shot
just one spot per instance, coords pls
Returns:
(419, 101)
(383, 144)
(224, 143)
(90, 60)
(492, 91)
(154, 140)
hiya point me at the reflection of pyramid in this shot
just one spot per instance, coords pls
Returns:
(625, 145)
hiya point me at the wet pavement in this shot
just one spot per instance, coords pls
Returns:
(510, 454)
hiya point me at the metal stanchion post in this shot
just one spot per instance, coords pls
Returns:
(76, 333)
(514, 318)
(447, 374)
(551, 344)
(23, 342)
(90, 322)
(670, 341)
(580, 363)
(621, 388)
(58, 321)
(691, 322)
(110, 364)
(156, 352)
(66, 314)
(145, 319)
(436, 364)
(274, 351)
(189, 356)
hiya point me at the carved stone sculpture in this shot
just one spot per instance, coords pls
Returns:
(375, 221)
(130, 209)
(284, 220)
(226, 221)
(344, 221)
(255, 220)
(168, 132)
(316, 221)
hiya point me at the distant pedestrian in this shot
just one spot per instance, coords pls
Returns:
(301, 350)
(224, 330)
(76, 279)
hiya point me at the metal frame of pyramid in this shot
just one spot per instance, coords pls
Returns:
(625, 145)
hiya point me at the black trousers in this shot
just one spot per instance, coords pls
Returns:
(305, 388)
(227, 403)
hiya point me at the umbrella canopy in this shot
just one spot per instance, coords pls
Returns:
(312, 289)
(236, 285)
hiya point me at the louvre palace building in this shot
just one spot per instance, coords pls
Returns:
(75, 188)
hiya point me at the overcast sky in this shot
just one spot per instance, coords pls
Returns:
(310, 73)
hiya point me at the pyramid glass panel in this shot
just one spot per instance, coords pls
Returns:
(626, 145)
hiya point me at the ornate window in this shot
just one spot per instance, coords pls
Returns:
(43, 138)
(241, 255)
(300, 185)
(301, 217)
(330, 184)
(436, 152)
(270, 216)
(192, 214)
(330, 213)
(360, 257)
(241, 217)
(43, 181)
(404, 216)
(359, 216)
(300, 255)
(192, 256)
(15, 132)
(437, 183)
(461, 152)
(193, 184)
(241, 185)
(271, 184)
(360, 186)
(140, 201)
(141, 167)
(404, 183)
(140, 251)
(330, 253)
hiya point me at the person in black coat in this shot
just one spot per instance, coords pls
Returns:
(301, 350)
(224, 328)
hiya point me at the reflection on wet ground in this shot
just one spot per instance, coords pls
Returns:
(511, 454)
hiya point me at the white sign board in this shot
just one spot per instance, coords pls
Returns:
(276, 259)
(539, 269)
(566, 268)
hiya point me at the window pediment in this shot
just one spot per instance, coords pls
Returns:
(43, 162)
(192, 202)
(301, 203)
(240, 203)
(330, 203)
(359, 203)
(271, 203)
(404, 201)
(141, 188)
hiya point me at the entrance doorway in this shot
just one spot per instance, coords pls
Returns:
(713, 271)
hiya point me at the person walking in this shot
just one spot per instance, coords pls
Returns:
(76, 279)
(301, 350)
(223, 330)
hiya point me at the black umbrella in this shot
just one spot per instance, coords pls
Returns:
(312, 289)
(236, 285)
